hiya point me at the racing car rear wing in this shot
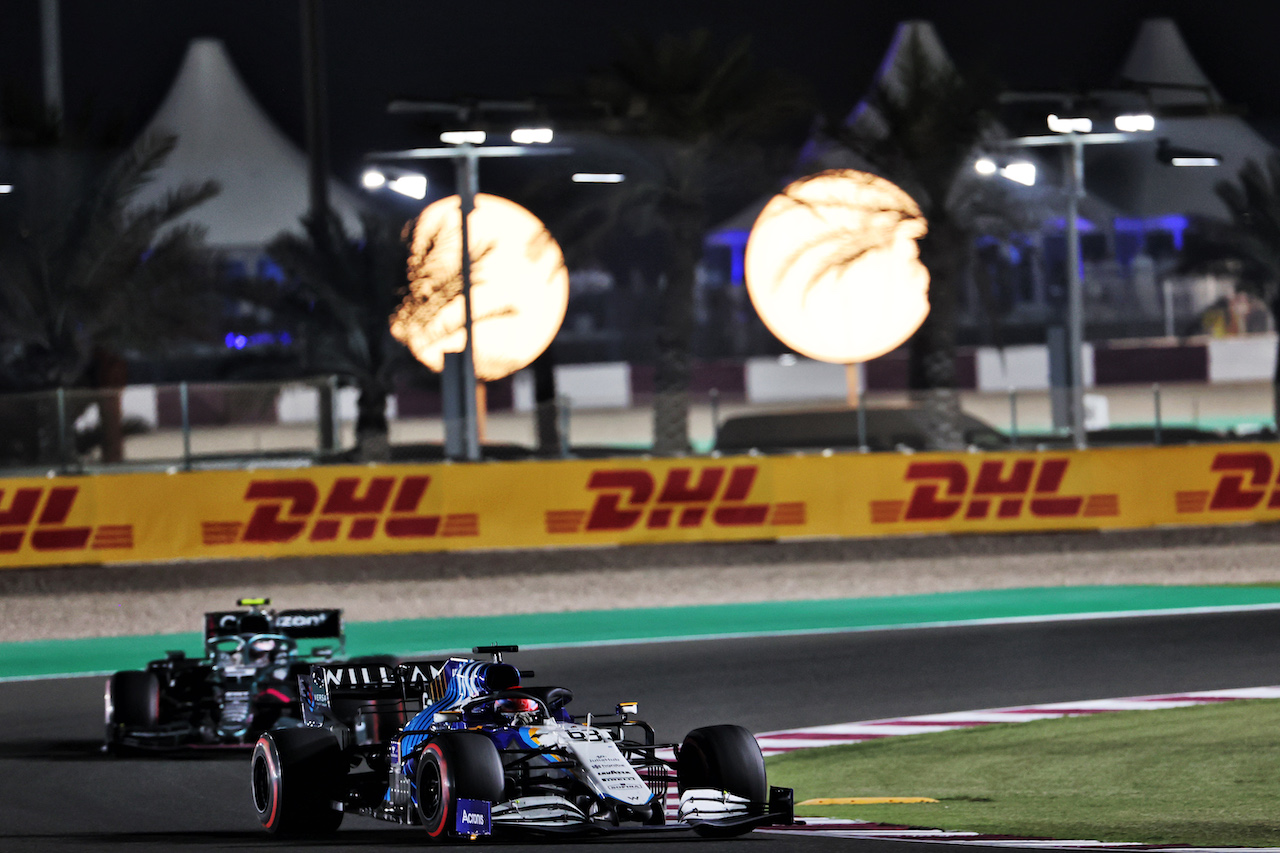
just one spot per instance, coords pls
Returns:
(309, 624)
(297, 624)
(374, 680)
(342, 684)
(408, 682)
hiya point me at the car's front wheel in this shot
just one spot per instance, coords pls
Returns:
(454, 766)
(297, 774)
(131, 700)
(723, 758)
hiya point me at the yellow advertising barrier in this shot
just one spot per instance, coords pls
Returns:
(406, 508)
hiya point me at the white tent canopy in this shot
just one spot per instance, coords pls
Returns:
(1129, 175)
(913, 41)
(225, 135)
(1124, 180)
(1160, 57)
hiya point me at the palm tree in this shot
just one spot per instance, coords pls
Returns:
(86, 273)
(341, 290)
(919, 130)
(1246, 245)
(700, 124)
(83, 269)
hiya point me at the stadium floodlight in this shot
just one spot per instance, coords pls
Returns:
(1172, 155)
(1059, 124)
(463, 137)
(1139, 123)
(410, 184)
(598, 178)
(1020, 172)
(532, 135)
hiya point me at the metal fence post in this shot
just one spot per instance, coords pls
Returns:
(1155, 397)
(862, 421)
(184, 401)
(563, 407)
(1013, 416)
(714, 395)
(327, 427)
(63, 456)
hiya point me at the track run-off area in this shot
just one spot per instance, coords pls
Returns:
(769, 667)
(102, 655)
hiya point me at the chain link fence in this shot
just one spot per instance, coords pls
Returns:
(210, 425)
(184, 425)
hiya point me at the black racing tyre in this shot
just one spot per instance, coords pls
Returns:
(133, 699)
(723, 757)
(297, 774)
(454, 766)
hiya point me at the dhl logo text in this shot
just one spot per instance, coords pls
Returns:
(37, 517)
(286, 509)
(1247, 483)
(629, 497)
(1013, 489)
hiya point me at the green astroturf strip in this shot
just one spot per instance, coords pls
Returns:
(1204, 775)
(97, 654)
(46, 657)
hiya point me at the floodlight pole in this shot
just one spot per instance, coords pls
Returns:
(1074, 156)
(51, 60)
(1073, 144)
(465, 164)
(466, 158)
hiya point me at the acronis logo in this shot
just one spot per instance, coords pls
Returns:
(474, 817)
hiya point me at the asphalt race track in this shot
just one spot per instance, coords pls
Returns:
(57, 793)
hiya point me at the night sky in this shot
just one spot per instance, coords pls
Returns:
(120, 55)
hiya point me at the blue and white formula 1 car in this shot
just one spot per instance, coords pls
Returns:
(461, 748)
(246, 682)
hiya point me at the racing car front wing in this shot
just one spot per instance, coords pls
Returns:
(551, 815)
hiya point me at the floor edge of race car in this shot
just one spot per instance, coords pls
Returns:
(63, 658)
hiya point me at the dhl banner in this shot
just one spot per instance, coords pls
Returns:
(139, 517)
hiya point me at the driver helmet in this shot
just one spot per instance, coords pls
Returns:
(263, 650)
(515, 707)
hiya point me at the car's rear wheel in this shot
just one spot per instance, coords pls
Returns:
(454, 766)
(297, 776)
(726, 758)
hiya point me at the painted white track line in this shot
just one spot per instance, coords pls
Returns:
(777, 743)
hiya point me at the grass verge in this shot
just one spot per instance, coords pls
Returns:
(1204, 775)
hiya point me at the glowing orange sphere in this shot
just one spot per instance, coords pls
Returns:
(833, 268)
(519, 286)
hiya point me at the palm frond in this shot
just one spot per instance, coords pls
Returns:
(1245, 245)
(83, 266)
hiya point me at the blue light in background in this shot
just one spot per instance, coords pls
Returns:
(736, 241)
(258, 339)
(1083, 225)
(269, 269)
